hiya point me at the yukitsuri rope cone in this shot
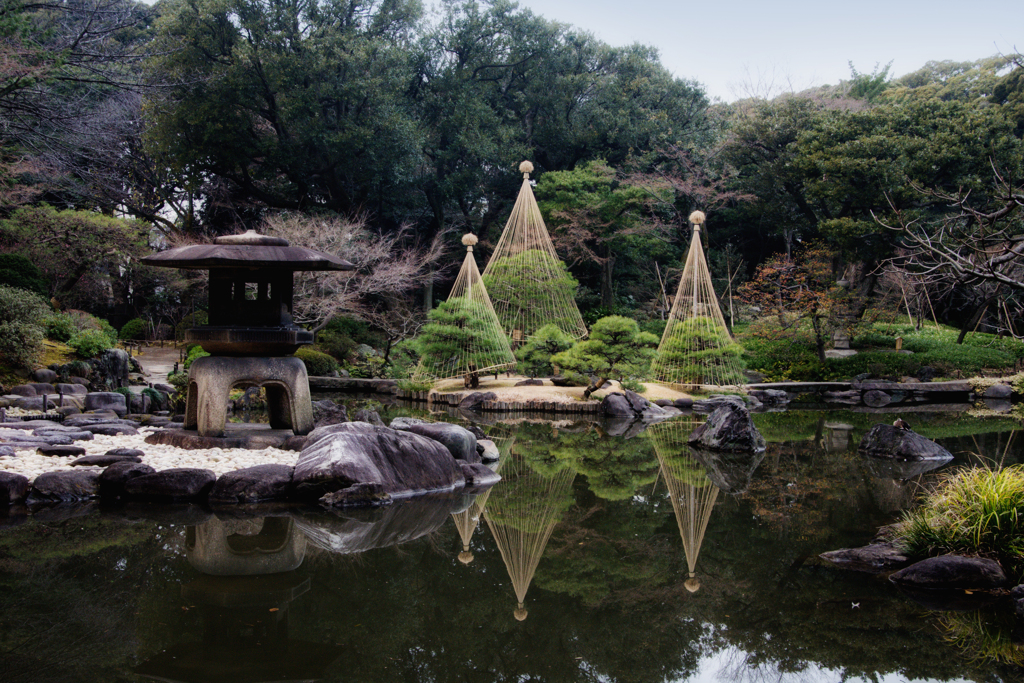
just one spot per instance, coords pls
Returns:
(468, 520)
(696, 348)
(692, 493)
(464, 337)
(521, 514)
(529, 284)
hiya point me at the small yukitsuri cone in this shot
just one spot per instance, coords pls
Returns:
(528, 283)
(696, 348)
(463, 337)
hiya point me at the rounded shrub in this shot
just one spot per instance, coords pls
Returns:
(90, 343)
(21, 334)
(197, 319)
(318, 364)
(18, 271)
(136, 328)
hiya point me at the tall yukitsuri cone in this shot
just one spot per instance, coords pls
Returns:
(468, 520)
(529, 284)
(521, 513)
(691, 491)
(463, 337)
(696, 348)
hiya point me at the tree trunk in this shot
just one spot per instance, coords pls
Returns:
(607, 289)
(975, 319)
(819, 337)
(594, 387)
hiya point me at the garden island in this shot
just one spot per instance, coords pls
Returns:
(346, 339)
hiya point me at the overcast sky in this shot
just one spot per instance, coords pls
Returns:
(728, 44)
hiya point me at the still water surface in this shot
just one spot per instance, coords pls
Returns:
(597, 558)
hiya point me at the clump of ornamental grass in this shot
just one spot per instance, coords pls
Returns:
(976, 511)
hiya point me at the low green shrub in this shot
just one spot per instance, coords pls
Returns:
(873, 340)
(342, 335)
(318, 364)
(194, 351)
(781, 359)
(136, 328)
(415, 385)
(90, 343)
(976, 511)
(876, 363)
(60, 327)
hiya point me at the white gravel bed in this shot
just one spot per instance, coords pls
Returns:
(31, 464)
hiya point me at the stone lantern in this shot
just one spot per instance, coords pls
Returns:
(250, 334)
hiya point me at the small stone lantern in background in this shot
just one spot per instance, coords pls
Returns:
(250, 334)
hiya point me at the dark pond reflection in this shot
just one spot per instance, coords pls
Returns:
(597, 558)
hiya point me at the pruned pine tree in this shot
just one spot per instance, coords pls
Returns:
(617, 349)
(532, 286)
(696, 348)
(463, 337)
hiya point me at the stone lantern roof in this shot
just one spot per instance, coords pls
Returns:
(251, 286)
(248, 250)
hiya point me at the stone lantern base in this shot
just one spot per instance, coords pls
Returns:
(211, 378)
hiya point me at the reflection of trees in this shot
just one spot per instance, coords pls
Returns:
(523, 510)
(615, 467)
(692, 493)
(467, 520)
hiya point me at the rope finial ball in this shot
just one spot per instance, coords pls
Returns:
(520, 613)
(468, 240)
(697, 217)
(692, 584)
(465, 557)
(526, 168)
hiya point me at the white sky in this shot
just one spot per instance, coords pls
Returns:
(795, 44)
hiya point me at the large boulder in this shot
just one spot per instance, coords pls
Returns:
(106, 400)
(729, 428)
(948, 572)
(473, 401)
(459, 441)
(64, 486)
(13, 488)
(367, 415)
(358, 463)
(114, 477)
(886, 441)
(253, 485)
(328, 412)
(876, 558)
(112, 368)
(478, 474)
(631, 404)
(176, 484)
(43, 375)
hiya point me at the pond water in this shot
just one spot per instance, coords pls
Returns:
(597, 558)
